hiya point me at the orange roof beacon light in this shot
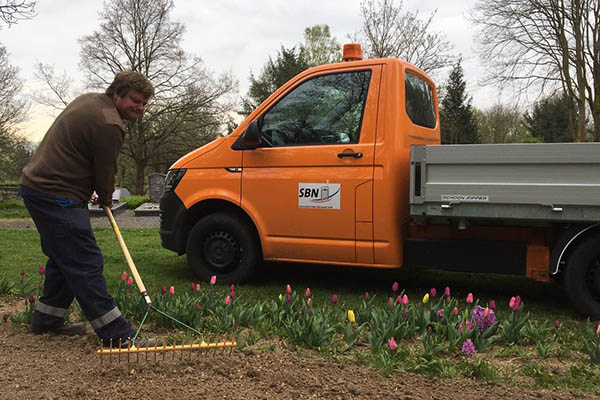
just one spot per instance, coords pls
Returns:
(352, 52)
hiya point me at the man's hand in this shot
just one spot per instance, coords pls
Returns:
(110, 205)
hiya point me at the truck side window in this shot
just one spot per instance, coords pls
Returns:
(419, 101)
(327, 109)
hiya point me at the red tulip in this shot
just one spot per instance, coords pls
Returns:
(395, 287)
(42, 269)
(197, 307)
(172, 290)
(307, 293)
(227, 300)
(130, 281)
(367, 297)
(433, 292)
(492, 305)
(124, 276)
(288, 289)
(31, 299)
(470, 298)
(334, 299)
(447, 291)
(163, 289)
(198, 287)
(213, 279)
(392, 344)
(192, 287)
(23, 272)
(309, 302)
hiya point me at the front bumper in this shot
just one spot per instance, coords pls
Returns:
(172, 213)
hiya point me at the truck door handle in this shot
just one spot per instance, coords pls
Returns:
(355, 155)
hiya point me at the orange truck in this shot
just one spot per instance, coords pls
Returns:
(343, 165)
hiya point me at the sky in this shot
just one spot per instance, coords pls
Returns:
(229, 35)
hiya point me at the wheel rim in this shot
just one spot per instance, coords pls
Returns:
(593, 278)
(221, 251)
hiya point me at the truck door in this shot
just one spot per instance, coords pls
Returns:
(309, 186)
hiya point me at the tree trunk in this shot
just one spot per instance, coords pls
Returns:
(140, 176)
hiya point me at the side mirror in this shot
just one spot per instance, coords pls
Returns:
(251, 137)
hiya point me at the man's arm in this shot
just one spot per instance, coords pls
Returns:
(107, 144)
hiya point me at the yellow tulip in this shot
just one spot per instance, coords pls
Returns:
(426, 298)
(351, 317)
(280, 297)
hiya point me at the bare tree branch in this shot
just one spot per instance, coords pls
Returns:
(13, 11)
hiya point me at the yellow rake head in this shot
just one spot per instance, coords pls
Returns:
(121, 353)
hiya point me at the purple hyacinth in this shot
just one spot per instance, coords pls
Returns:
(483, 318)
(468, 348)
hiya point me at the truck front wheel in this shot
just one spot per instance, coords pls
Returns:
(582, 277)
(223, 245)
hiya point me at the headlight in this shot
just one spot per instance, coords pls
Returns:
(173, 178)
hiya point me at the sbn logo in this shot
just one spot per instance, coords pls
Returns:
(308, 192)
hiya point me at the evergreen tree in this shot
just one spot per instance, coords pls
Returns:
(287, 64)
(457, 119)
(549, 120)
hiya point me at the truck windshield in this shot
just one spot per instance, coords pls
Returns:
(326, 109)
(419, 101)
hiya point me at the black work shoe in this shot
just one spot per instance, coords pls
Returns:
(65, 329)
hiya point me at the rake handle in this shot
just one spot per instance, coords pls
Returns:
(134, 271)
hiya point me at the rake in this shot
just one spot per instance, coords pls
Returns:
(118, 350)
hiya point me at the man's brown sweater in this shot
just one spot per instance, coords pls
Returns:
(79, 152)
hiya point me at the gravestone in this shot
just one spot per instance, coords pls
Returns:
(156, 182)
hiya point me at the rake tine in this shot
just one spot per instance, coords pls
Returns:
(101, 350)
(128, 351)
(120, 347)
(111, 348)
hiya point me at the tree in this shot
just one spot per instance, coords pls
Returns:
(189, 104)
(275, 73)
(319, 47)
(13, 11)
(549, 119)
(388, 31)
(535, 44)
(499, 124)
(457, 119)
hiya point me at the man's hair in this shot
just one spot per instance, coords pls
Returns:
(126, 80)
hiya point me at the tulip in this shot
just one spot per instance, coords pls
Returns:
(405, 299)
(470, 298)
(426, 298)
(307, 293)
(492, 305)
(197, 287)
(440, 313)
(227, 300)
(392, 344)
(486, 312)
(213, 279)
(310, 312)
(192, 287)
(334, 299)
(288, 298)
(130, 281)
(172, 290)
(197, 306)
(455, 311)
(433, 292)
(395, 287)
(31, 299)
(557, 324)
(398, 300)
(309, 302)
(447, 291)
(511, 303)
(280, 297)
(598, 330)
(23, 272)
(163, 289)
(367, 297)
(404, 313)
(351, 317)
(42, 269)
(124, 276)
(469, 325)
(288, 289)
(391, 302)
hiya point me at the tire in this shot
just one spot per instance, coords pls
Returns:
(582, 277)
(223, 245)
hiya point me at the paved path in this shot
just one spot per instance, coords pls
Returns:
(125, 219)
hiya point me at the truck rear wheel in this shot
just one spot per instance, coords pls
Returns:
(223, 245)
(582, 277)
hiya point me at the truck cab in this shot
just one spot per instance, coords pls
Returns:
(318, 173)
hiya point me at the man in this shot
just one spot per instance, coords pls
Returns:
(78, 156)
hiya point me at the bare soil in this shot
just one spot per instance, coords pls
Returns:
(57, 367)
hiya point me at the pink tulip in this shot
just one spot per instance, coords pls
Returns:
(307, 293)
(367, 297)
(557, 324)
(198, 287)
(197, 306)
(334, 299)
(392, 344)
(124, 276)
(227, 300)
(42, 269)
(511, 303)
(163, 289)
(492, 305)
(310, 312)
(470, 298)
(288, 298)
(447, 291)
(31, 299)
(213, 279)
(405, 299)
(395, 287)
(598, 330)
(172, 290)
(398, 300)
(391, 302)
(288, 289)
(309, 302)
(23, 272)
(455, 311)
(433, 292)
(486, 312)
(469, 325)
(404, 313)
(460, 328)
(192, 287)
(130, 281)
